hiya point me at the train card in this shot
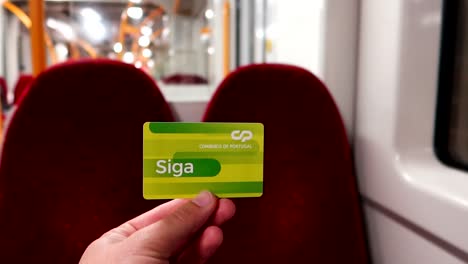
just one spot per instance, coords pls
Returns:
(182, 159)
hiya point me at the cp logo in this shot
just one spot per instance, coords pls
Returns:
(243, 135)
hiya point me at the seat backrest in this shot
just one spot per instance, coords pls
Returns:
(71, 167)
(21, 86)
(184, 79)
(3, 92)
(310, 211)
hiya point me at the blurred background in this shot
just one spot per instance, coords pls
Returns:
(189, 46)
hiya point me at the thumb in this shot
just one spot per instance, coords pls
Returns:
(166, 237)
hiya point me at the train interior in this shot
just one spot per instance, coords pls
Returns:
(364, 103)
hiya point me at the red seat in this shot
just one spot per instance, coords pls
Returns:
(310, 211)
(3, 92)
(184, 79)
(71, 167)
(21, 86)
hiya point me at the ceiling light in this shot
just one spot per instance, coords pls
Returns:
(135, 12)
(90, 14)
(147, 53)
(146, 31)
(138, 64)
(211, 50)
(118, 47)
(128, 57)
(144, 41)
(204, 37)
(62, 51)
(260, 33)
(166, 32)
(209, 14)
(95, 30)
(64, 29)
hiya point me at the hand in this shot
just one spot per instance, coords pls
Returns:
(179, 231)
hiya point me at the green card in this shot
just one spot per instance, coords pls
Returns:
(182, 159)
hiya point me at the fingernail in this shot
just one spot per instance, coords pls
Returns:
(203, 199)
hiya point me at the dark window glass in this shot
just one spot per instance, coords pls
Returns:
(451, 141)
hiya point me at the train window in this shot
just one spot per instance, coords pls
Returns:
(451, 140)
